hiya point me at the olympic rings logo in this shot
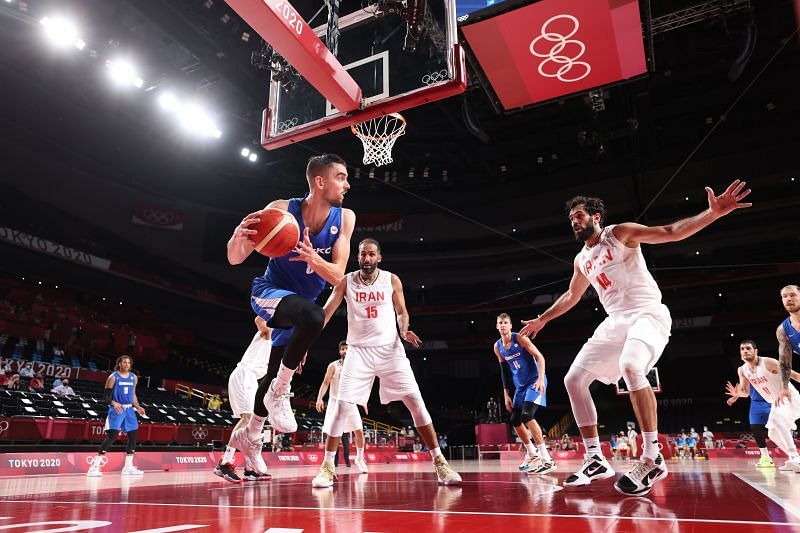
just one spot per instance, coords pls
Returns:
(199, 433)
(102, 460)
(313, 457)
(288, 123)
(558, 43)
(434, 77)
(3, 425)
(158, 218)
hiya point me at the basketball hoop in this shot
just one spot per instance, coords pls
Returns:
(378, 136)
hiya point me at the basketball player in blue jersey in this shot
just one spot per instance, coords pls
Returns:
(759, 410)
(120, 393)
(788, 334)
(519, 357)
(284, 296)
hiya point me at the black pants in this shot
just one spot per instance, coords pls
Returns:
(346, 445)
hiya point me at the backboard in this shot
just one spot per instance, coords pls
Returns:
(393, 71)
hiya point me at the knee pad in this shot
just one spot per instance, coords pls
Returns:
(516, 417)
(577, 383)
(528, 412)
(419, 413)
(313, 317)
(633, 364)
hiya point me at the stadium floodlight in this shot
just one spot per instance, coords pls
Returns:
(245, 152)
(253, 157)
(61, 32)
(168, 101)
(124, 73)
(196, 120)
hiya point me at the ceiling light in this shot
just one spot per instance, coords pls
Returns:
(245, 152)
(168, 101)
(61, 32)
(253, 157)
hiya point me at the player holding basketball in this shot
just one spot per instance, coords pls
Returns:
(519, 357)
(242, 386)
(120, 393)
(788, 334)
(284, 296)
(331, 379)
(630, 340)
(759, 407)
(374, 297)
(765, 375)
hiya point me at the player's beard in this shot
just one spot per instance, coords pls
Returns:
(368, 270)
(585, 233)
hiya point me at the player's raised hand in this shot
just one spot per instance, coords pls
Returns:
(732, 400)
(411, 337)
(305, 250)
(320, 405)
(731, 390)
(729, 200)
(532, 327)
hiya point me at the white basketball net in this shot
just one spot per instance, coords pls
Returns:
(378, 136)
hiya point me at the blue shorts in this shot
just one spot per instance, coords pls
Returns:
(527, 393)
(264, 299)
(126, 420)
(759, 413)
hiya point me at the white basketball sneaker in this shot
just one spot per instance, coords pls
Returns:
(94, 469)
(279, 405)
(131, 471)
(445, 474)
(529, 463)
(327, 473)
(594, 467)
(361, 464)
(251, 449)
(640, 480)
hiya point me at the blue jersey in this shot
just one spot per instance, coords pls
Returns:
(523, 366)
(792, 334)
(123, 389)
(756, 398)
(295, 276)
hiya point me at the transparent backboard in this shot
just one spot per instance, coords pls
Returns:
(652, 378)
(374, 49)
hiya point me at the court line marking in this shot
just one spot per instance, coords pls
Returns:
(417, 511)
(227, 487)
(787, 506)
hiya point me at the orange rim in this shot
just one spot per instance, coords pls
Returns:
(380, 138)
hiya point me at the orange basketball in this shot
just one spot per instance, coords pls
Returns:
(278, 232)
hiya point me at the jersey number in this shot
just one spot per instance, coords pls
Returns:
(125, 390)
(603, 281)
(372, 311)
(766, 391)
(516, 364)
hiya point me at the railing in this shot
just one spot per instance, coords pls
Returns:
(191, 392)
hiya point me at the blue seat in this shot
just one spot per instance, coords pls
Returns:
(92, 366)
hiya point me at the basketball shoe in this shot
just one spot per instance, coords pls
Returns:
(227, 472)
(279, 405)
(544, 467)
(251, 449)
(94, 469)
(131, 470)
(594, 467)
(529, 462)
(361, 464)
(445, 475)
(640, 480)
(765, 462)
(327, 473)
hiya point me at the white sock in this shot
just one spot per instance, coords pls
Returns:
(593, 446)
(530, 448)
(255, 426)
(128, 460)
(359, 453)
(330, 456)
(230, 452)
(435, 452)
(543, 452)
(650, 440)
(764, 452)
(284, 376)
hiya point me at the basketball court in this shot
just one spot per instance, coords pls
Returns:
(722, 495)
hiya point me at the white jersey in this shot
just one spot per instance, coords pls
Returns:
(334, 385)
(371, 320)
(618, 274)
(765, 382)
(256, 357)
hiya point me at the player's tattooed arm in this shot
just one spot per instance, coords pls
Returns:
(784, 355)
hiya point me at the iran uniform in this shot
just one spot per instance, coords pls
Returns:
(348, 411)
(243, 381)
(374, 348)
(631, 298)
(768, 385)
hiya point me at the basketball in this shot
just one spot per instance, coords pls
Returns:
(278, 233)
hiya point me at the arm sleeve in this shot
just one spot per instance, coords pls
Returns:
(505, 376)
(107, 393)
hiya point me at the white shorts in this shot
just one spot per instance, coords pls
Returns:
(785, 414)
(242, 386)
(600, 355)
(389, 363)
(349, 417)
